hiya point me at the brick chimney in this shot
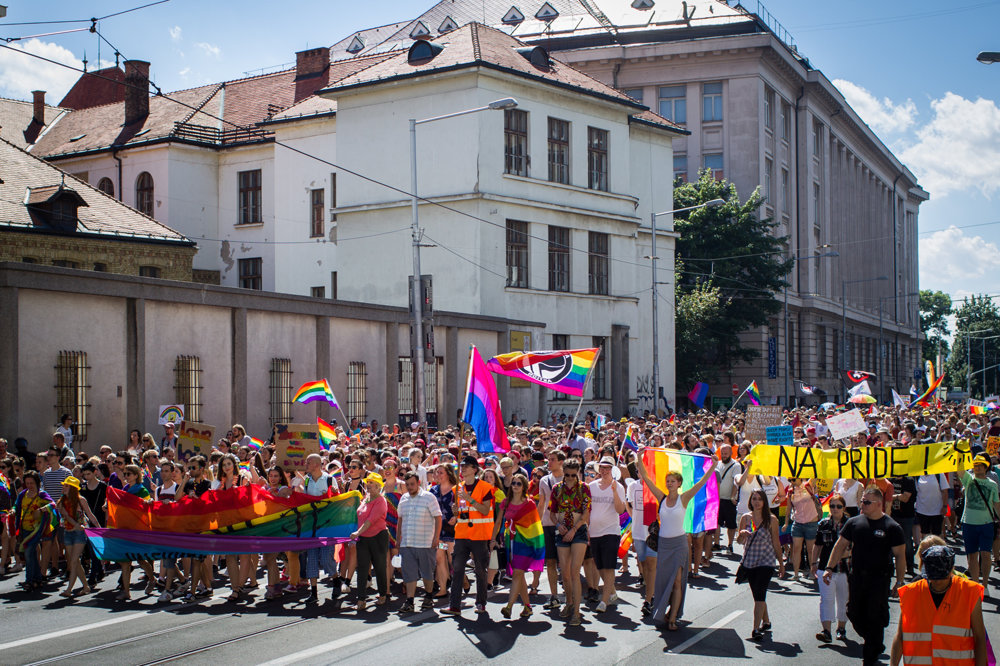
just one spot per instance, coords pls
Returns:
(136, 91)
(38, 111)
(312, 69)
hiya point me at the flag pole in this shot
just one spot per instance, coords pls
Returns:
(586, 384)
(739, 396)
(465, 404)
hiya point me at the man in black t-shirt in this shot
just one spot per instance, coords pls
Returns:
(878, 543)
(904, 501)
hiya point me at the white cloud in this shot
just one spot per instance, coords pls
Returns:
(209, 49)
(175, 33)
(960, 148)
(20, 73)
(184, 72)
(953, 262)
(881, 115)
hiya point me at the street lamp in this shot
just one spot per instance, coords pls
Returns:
(417, 296)
(656, 336)
(831, 253)
(843, 314)
(988, 57)
(882, 299)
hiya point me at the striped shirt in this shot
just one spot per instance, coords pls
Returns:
(416, 514)
(52, 481)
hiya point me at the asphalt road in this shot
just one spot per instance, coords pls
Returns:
(718, 616)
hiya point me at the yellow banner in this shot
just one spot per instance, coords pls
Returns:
(867, 462)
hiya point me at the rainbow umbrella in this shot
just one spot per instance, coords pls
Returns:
(863, 399)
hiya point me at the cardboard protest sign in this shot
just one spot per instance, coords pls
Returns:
(779, 435)
(294, 443)
(759, 417)
(170, 414)
(194, 439)
(992, 445)
(865, 462)
(846, 424)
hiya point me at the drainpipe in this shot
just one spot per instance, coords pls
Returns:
(798, 187)
(114, 154)
(895, 279)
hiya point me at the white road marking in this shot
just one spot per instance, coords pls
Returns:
(347, 640)
(701, 635)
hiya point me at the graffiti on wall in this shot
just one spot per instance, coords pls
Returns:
(644, 397)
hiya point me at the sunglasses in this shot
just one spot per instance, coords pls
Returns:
(516, 484)
(836, 506)
(867, 502)
(572, 476)
(353, 467)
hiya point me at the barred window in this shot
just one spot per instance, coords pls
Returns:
(559, 341)
(187, 386)
(71, 390)
(249, 197)
(597, 158)
(600, 376)
(558, 151)
(597, 260)
(515, 134)
(517, 253)
(149, 271)
(281, 391)
(357, 391)
(558, 258)
(317, 212)
(407, 390)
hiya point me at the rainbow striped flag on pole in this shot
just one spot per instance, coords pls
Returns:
(561, 370)
(703, 510)
(314, 391)
(327, 435)
(753, 392)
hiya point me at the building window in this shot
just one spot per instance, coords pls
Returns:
(714, 162)
(769, 109)
(711, 102)
(29, 260)
(673, 103)
(558, 259)
(634, 93)
(558, 151)
(768, 170)
(149, 271)
(280, 390)
(407, 389)
(318, 292)
(821, 347)
(817, 206)
(105, 185)
(100, 267)
(817, 139)
(785, 189)
(597, 248)
(250, 273)
(680, 168)
(333, 196)
(187, 386)
(357, 391)
(65, 263)
(790, 348)
(333, 284)
(71, 390)
(600, 376)
(249, 197)
(786, 121)
(597, 158)
(517, 254)
(316, 206)
(559, 341)
(515, 141)
(144, 194)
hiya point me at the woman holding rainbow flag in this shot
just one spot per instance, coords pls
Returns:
(525, 543)
(672, 548)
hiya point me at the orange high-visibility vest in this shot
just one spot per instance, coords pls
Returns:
(476, 526)
(938, 635)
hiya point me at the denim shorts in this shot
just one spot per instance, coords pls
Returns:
(805, 531)
(978, 538)
(642, 551)
(580, 536)
(72, 538)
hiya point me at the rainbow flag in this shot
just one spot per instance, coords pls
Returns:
(703, 510)
(625, 543)
(753, 392)
(256, 444)
(525, 539)
(482, 407)
(628, 442)
(932, 386)
(698, 394)
(327, 435)
(313, 391)
(560, 370)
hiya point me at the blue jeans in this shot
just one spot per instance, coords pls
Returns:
(32, 570)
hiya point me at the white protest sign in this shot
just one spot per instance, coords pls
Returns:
(846, 424)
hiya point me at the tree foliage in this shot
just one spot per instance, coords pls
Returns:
(935, 306)
(977, 318)
(730, 267)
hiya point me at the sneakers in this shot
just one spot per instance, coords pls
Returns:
(150, 587)
(526, 612)
(506, 612)
(427, 603)
(407, 607)
(647, 609)
(593, 595)
(576, 620)
(313, 595)
(757, 636)
(841, 634)
(480, 608)
(166, 596)
(824, 636)
(552, 603)
(601, 607)
(451, 611)
(613, 599)
(565, 611)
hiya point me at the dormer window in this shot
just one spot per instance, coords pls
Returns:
(447, 25)
(422, 51)
(642, 4)
(546, 12)
(419, 31)
(513, 16)
(54, 206)
(357, 44)
(536, 55)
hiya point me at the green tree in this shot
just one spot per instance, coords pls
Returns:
(977, 318)
(730, 267)
(935, 306)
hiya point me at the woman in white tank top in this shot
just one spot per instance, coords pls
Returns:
(672, 548)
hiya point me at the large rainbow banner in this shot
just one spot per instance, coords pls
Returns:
(703, 510)
(560, 370)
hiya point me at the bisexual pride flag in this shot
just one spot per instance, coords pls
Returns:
(698, 394)
(482, 407)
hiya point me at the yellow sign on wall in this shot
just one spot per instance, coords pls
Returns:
(520, 341)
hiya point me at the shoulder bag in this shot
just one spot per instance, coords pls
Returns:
(653, 539)
(996, 523)
(743, 573)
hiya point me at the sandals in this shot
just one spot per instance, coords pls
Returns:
(671, 625)
(362, 604)
(234, 596)
(66, 594)
(381, 601)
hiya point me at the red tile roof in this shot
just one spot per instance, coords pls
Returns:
(105, 86)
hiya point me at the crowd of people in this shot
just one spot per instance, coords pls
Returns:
(553, 504)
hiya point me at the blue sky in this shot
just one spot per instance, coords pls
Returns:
(909, 69)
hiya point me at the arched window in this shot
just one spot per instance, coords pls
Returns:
(144, 193)
(106, 186)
